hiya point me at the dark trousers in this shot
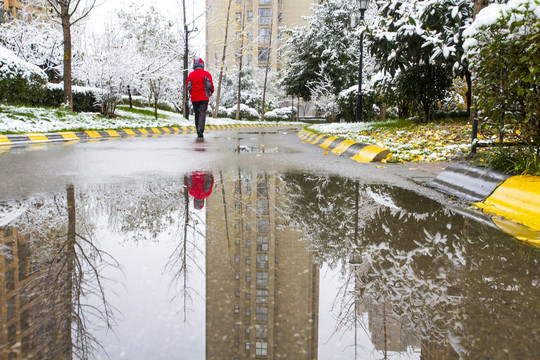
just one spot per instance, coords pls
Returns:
(199, 109)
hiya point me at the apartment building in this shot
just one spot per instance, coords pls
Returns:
(261, 283)
(256, 23)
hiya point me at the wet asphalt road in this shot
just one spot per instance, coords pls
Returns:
(49, 168)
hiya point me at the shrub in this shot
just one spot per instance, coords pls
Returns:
(139, 101)
(281, 114)
(20, 81)
(84, 98)
(346, 101)
(503, 46)
(426, 85)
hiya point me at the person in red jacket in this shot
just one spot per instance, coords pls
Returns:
(200, 87)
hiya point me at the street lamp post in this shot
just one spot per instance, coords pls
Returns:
(363, 5)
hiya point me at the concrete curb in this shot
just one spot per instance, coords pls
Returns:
(92, 135)
(505, 197)
(467, 182)
(356, 151)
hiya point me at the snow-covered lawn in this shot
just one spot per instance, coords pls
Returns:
(415, 143)
(23, 119)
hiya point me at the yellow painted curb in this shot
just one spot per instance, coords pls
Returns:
(93, 134)
(143, 131)
(69, 135)
(343, 146)
(4, 141)
(37, 137)
(518, 199)
(520, 232)
(371, 153)
(112, 133)
(316, 139)
(327, 142)
(129, 132)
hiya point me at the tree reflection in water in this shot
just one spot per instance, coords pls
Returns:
(54, 292)
(427, 277)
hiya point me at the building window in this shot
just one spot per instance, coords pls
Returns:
(250, 15)
(248, 260)
(279, 17)
(248, 346)
(264, 35)
(265, 16)
(262, 261)
(248, 243)
(248, 329)
(263, 225)
(261, 314)
(262, 243)
(237, 292)
(236, 258)
(238, 16)
(261, 348)
(265, 2)
(262, 207)
(262, 297)
(248, 278)
(236, 276)
(236, 326)
(261, 331)
(248, 312)
(248, 296)
(237, 309)
(262, 278)
(262, 189)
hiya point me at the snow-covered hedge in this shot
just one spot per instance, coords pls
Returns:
(246, 113)
(281, 114)
(20, 81)
(84, 98)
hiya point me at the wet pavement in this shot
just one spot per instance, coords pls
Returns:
(249, 245)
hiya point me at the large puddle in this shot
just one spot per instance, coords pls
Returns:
(236, 265)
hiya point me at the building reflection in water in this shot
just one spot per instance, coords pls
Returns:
(262, 285)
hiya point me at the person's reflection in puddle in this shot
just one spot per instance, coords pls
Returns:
(199, 185)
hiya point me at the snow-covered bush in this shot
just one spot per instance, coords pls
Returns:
(280, 114)
(20, 81)
(503, 46)
(246, 112)
(84, 98)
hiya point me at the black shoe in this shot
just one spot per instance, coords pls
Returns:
(200, 135)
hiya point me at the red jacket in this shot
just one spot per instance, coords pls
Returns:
(199, 83)
(200, 184)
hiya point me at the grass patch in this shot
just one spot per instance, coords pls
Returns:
(139, 111)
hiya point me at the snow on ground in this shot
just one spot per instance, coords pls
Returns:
(21, 119)
(412, 144)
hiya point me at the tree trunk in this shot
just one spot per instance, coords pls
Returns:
(66, 27)
(185, 72)
(468, 95)
(218, 95)
(269, 55)
(67, 294)
(382, 114)
(130, 99)
(240, 66)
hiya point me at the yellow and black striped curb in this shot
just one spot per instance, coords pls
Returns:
(516, 198)
(89, 135)
(356, 151)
